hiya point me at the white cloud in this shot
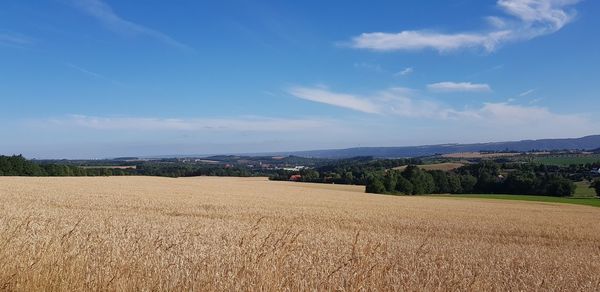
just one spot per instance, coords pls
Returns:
(250, 124)
(105, 14)
(396, 101)
(417, 40)
(406, 71)
(403, 102)
(459, 87)
(530, 19)
(509, 115)
(325, 96)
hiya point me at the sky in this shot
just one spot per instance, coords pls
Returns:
(106, 78)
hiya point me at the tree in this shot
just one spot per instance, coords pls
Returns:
(559, 186)
(390, 180)
(422, 181)
(454, 185)
(348, 177)
(404, 186)
(309, 175)
(440, 179)
(522, 182)
(467, 183)
(375, 186)
(486, 174)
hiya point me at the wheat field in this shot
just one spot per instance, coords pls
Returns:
(162, 234)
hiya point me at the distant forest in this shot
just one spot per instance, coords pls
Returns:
(19, 166)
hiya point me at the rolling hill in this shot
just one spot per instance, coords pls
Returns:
(584, 143)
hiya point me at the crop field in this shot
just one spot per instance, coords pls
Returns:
(447, 166)
(471, 155)
(568, 159)
(232, 234)
(584, 190)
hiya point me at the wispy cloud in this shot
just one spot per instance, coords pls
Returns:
(528, 19)
(517, 115)
(459, 87)
(14, 39)
(396, 101)
(249, 124)
(402, 102)
(92, 74)
(526, 93)
(406, 71)
(323, 95)
(535, 100)
(105, 14)
(84, 71)
(369, 66)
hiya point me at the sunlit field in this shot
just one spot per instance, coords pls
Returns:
(147, 233)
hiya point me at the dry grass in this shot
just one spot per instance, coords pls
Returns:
(447, 166)
(142, 233)
(471, 155)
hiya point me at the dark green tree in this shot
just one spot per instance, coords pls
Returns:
(390, 180)
(375, 186)
(404, 186)
(468, 183)
(440, 179)
(421, 180)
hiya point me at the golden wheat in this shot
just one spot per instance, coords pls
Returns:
(143, 233)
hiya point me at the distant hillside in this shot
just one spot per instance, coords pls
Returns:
(585, 143)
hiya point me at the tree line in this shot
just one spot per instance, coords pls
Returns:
(18, 165)
(481, 178)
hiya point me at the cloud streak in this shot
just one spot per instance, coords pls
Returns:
(105, 14)
(459, 87)
(406, 71)
(524, 20)
(14, 39)
(526, 93)
(322, 95)
(401, 102)
(85, 71)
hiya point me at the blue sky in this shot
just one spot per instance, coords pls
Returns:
(102, 78)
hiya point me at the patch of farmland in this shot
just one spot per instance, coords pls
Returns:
(476, 155)
(437, 166)
(568, 159)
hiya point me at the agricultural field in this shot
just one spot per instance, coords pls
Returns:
(584, 190)
(568, 159)
(150, 233)
(479, 155)
(446, 166)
